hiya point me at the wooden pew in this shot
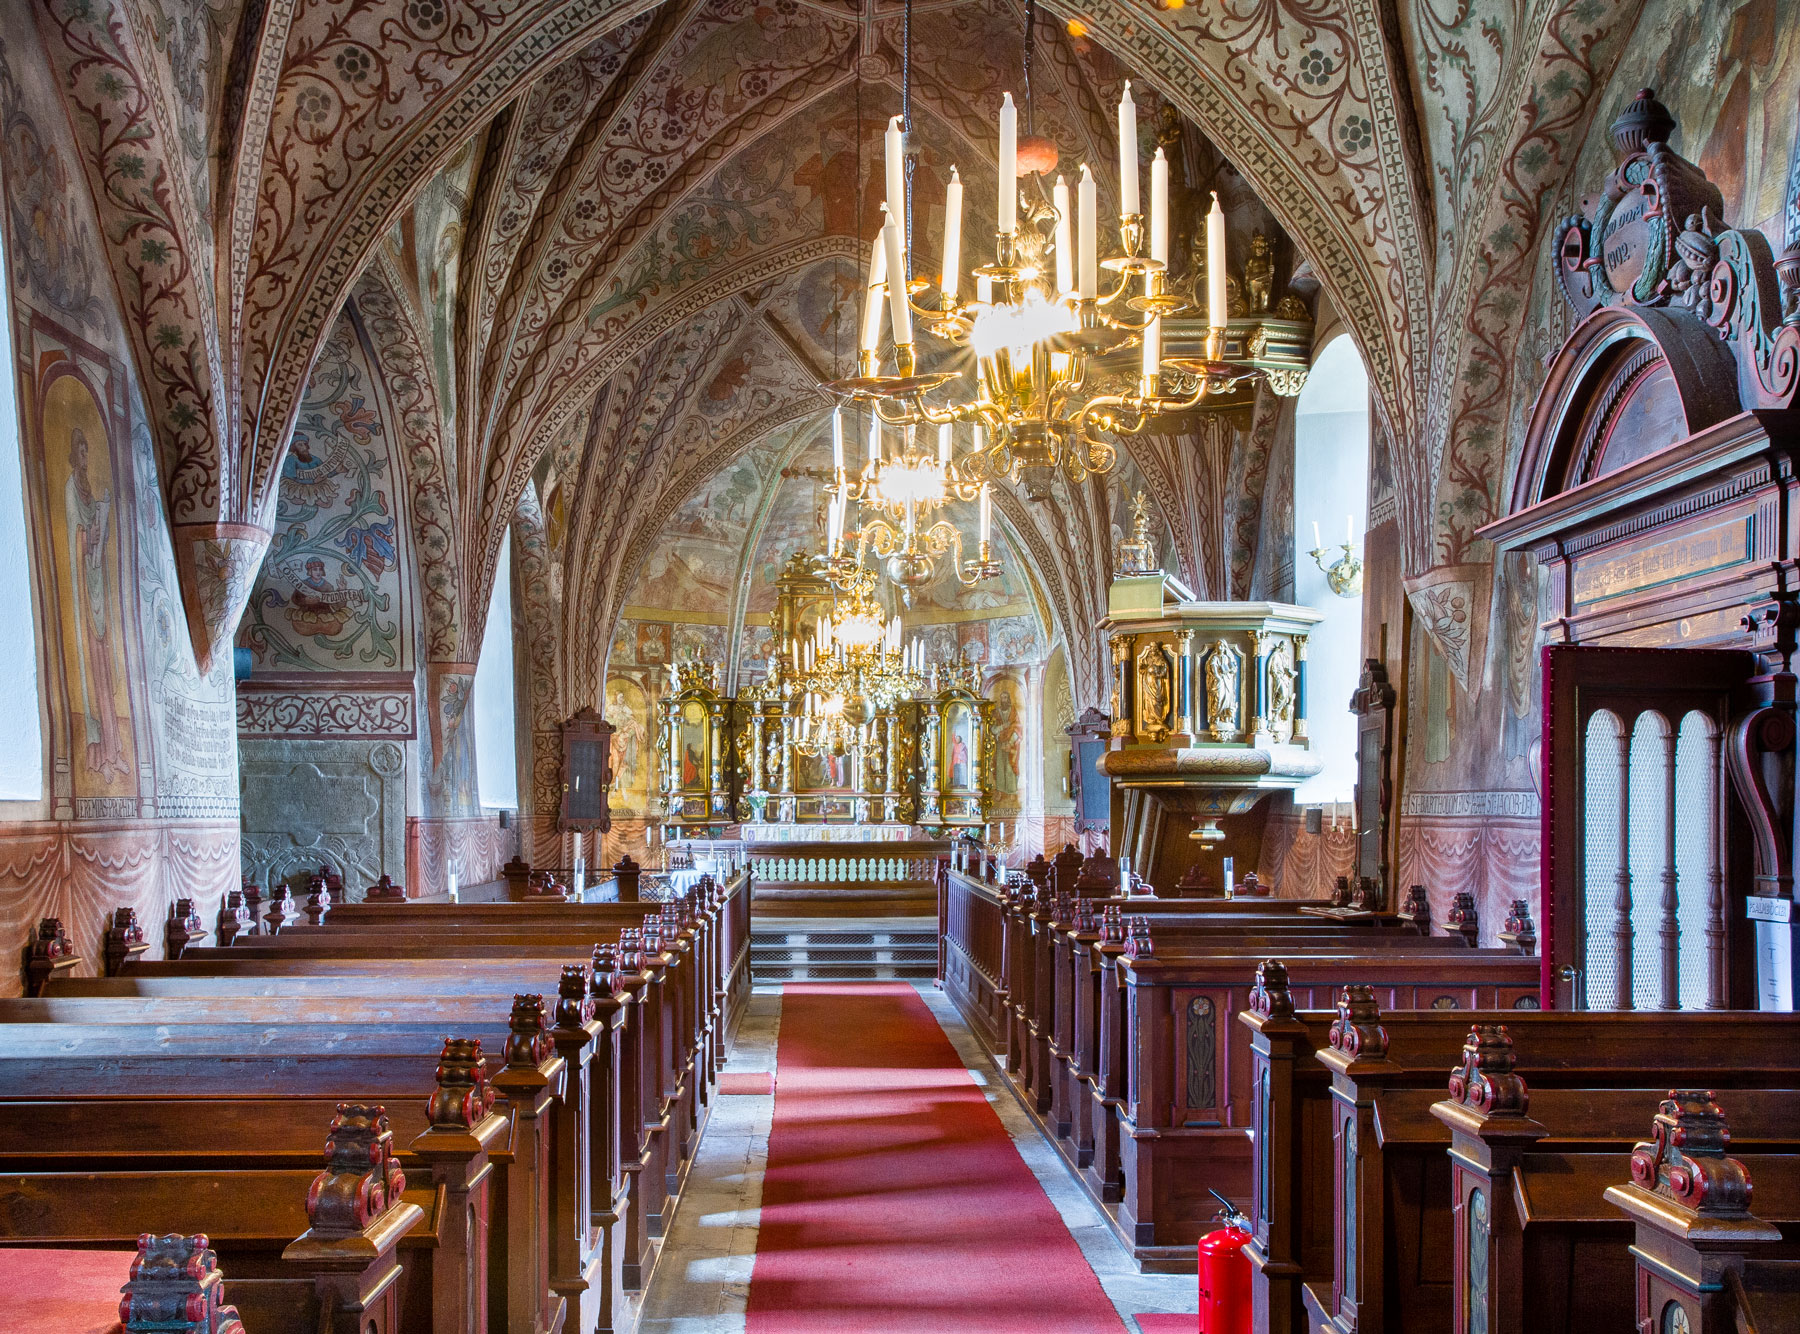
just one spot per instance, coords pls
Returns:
(1704, 1260)
(102, 1075)
(340, 1275)
(1535, 1246)
(1342, 1110)
(296, 964)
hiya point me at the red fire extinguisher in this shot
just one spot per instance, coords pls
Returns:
(1225, 1273)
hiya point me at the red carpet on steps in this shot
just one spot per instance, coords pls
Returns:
(895, 1201)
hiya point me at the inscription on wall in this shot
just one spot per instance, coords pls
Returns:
(1682, 556)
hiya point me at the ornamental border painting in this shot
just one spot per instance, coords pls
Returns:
(86, 543)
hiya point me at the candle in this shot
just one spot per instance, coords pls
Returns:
(874, 436)
(987, 513)
(1088, 238)
(1128, 163)
(1349, 528)
(944, 445)
(1215, 265)
(837, 441)
(899, 302)
(1152, 365)
(895, 147)
(871, 325)
(953, 209)
(1009, 164)
(984, 289)
(1065, 238)
(1318, 540)
(1159, 207)
(835, 514)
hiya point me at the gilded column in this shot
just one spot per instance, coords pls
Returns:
(1121, 693)
(1299, 687)
(1184, 684)
(1259, 682)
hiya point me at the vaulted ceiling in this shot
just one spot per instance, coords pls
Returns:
(608, 243)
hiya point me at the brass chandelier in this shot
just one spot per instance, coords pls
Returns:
(852, 668)
(897, 499)
(1051, 344)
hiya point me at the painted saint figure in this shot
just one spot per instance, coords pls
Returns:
(89, 516)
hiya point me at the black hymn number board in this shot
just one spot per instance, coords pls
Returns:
(587, 772)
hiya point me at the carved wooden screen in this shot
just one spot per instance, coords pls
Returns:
(1636, 812)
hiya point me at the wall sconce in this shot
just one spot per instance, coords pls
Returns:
(1344, 575)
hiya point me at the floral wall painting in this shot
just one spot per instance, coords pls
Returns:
(87, 499)
(332, 593)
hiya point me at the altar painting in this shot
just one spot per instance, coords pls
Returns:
(692, 758)
(961, 742)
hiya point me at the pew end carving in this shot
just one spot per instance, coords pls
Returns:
(175, 1287)
(125, 943)
(49, 955)
(1697, 1241)
(356, 1218)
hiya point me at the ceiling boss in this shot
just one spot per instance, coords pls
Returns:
(1051, 338)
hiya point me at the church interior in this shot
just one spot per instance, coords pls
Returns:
(899, 666)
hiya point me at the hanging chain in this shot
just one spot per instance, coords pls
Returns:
(1030, 42)
(906, 223)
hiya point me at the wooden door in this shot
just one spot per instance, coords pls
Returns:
(1637, 814)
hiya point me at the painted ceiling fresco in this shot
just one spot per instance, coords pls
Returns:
(608, 245)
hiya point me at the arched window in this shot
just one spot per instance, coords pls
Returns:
(496, 765)
(21, 727)
(1331, 504)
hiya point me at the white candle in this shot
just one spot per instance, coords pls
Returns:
(1128, 163)
(953, 209)
(896, 170)
(1009, 164)
(835, 521)
(1350, 528)
(1318, 539)
(837, 440)
(984, 289)
(944, 444)
(899, 304)
(987, 512)
(874, 436)
(1152, 366)
(1159, 207)
(871, 325)
(1065, 238)
(1215, 265)
(1088, 238)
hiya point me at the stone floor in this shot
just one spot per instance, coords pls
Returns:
(703, 1279)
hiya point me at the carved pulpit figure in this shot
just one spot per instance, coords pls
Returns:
(1155, 696)
(1282, 679)
(1259, 274)
(1222, 691)
(1138, 554)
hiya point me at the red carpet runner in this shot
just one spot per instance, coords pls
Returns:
(895, 1201)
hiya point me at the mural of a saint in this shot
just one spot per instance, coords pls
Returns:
(88, 511)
